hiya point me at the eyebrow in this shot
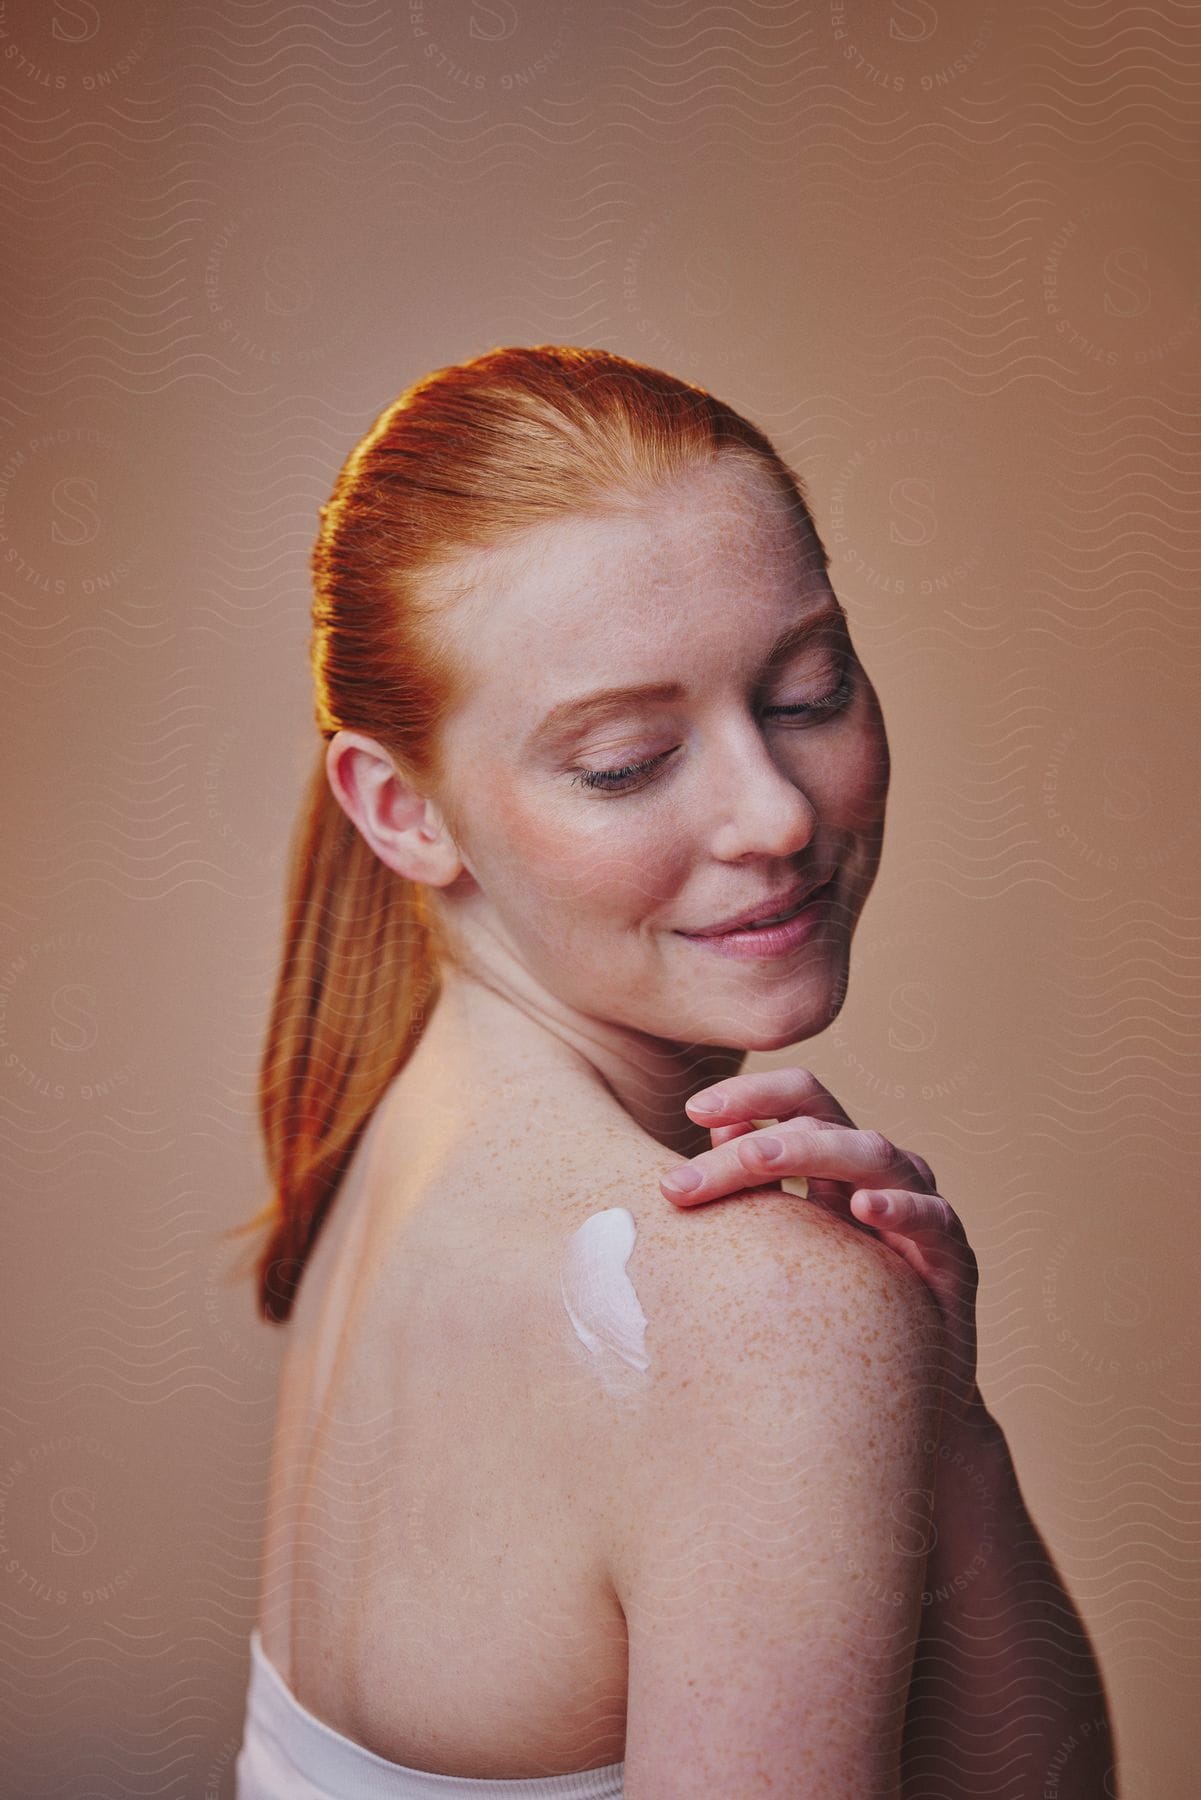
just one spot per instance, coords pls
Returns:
(571, 716)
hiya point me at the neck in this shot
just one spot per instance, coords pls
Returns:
(648, 1078)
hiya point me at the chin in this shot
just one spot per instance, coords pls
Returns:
(794, 1033)
(792, 1026)
(812, 1013)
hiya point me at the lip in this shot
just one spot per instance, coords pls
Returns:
(785, 902)
(769, 943)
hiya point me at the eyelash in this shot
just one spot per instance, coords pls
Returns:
(614, 780)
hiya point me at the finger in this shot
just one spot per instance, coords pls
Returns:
(900, 1209)
(913, 1225)
(721, 1134)
(791, 1184)
(923, 1168)
(863, 1158)
(941, 1256)
(768, 1093)
(792, 1091)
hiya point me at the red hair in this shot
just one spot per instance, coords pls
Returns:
(468, 456)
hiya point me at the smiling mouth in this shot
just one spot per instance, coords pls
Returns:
(762, 924)
(767, 920)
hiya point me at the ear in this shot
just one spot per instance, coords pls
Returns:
(405, 828)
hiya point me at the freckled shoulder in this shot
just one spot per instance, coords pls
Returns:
(745, 1503)
(697, 1265)
(758, 1288)
(693, 1268)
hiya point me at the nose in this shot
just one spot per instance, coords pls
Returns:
(757, 809)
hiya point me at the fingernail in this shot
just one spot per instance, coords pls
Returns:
(877, 1203)
(770, 1147)
(682, 1180)
(707, 1103)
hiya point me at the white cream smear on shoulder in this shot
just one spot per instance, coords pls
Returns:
(598, 1294)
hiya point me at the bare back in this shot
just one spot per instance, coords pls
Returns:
(435, 1583)
(431, 1579)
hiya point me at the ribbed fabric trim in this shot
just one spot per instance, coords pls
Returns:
(287, 1751)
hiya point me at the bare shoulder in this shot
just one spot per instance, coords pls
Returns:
(802, 1277)
(762, 1520)
(773, 1329)
(765, 1303)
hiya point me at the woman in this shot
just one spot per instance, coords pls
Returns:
(574, 1489)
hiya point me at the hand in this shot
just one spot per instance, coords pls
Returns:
(848, 1172)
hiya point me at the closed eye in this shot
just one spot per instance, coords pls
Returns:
(817, 711)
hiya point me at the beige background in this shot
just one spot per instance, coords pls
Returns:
(947, 256)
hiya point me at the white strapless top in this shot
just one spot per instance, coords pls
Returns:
(288, 1753)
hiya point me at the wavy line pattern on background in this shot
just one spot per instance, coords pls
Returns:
(948, 258)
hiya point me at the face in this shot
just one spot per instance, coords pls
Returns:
(596, 838)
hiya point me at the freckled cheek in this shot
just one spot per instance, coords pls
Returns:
(551, 864)
(855, 780)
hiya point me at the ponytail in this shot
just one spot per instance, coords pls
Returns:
(358, 977)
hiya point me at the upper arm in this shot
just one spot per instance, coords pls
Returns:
(768, 1543)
